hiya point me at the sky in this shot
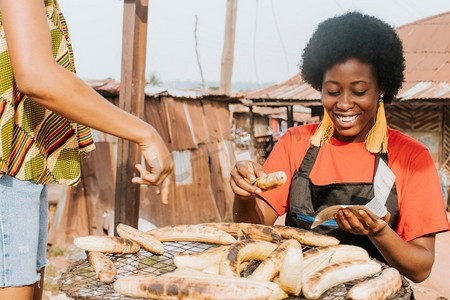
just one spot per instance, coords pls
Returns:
(270, 34)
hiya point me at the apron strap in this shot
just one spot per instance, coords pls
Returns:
(308, 161)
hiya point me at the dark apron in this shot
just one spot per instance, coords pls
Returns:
(307, 199)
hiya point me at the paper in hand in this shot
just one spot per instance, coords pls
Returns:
(376, 208)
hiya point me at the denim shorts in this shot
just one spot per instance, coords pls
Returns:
(23, 231)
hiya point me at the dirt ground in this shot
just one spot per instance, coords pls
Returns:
(436, 287)
(60, 259)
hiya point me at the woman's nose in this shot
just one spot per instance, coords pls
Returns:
(345, 101)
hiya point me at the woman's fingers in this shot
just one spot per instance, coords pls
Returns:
(243, 175)
(350, 222)
(159, 168)
(366, 219)
(145, 176)
(244, 184)
(387, 217)
(242, 188)
(165, 187)
(362, 224)
(247, 172)
(239, 191)
(151, 179)
(342, 221)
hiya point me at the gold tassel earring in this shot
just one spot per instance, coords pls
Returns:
(324, 132)
(377, 138)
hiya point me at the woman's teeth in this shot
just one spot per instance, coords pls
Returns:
(347, 119)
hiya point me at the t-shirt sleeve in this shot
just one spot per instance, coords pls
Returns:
(281, 159)
(422, 209)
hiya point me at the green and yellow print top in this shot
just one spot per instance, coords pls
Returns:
(35, 143)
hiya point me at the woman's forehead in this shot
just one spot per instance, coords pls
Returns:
(354, 68)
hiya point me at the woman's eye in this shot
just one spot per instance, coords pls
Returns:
(331, 93)
(359, 93)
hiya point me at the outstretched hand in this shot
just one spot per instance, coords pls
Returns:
(361, 224)
(160, 163)
(243, 175)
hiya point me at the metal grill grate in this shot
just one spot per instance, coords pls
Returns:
(79, 281)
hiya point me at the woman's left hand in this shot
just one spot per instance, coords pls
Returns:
(361, 224)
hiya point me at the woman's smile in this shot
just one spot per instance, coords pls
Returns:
(346, 120)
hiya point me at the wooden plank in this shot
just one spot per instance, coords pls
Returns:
(199, 195)
(223, 119)
(70, 219)
(227, 160)
(155, 114)
(180, 129)
(98, 183)
(219, 186)
(211, 119)
(131, 99)
(152, 209)
(197, 114)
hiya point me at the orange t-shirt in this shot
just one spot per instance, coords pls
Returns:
(420, 199)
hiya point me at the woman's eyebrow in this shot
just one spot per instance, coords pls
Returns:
(331, 81)
(353, 82)
(359, 81)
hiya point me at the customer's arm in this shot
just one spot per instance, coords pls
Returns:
(45, 82)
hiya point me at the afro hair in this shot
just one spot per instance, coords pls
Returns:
(355, 35)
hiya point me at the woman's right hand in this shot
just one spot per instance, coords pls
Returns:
(160, 163)
(243, 175)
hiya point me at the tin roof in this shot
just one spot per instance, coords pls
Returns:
(292, 89)
(426, 45)
(112, 88)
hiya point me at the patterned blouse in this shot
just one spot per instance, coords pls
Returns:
(35, 143)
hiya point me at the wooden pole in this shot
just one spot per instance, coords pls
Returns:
(198, 55)
(131, 99)
(290, 116)
(252, 133)
(228, 48)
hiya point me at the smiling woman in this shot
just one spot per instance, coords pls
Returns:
(357, 62)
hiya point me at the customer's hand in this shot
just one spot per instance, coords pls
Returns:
(160, 163)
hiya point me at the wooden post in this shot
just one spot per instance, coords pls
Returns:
(290, 115)
(252, 133)
(228, 48)
(131, 99)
